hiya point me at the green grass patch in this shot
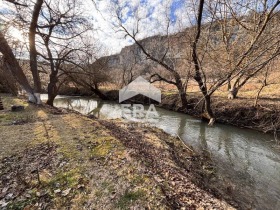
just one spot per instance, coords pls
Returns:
(19, 205)
(103, 149)
(128, 198)
(68, 179)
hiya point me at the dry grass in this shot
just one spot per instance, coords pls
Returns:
(92, 153)
(89, 153)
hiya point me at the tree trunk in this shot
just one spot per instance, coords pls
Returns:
(232, 93)
(33, 51)
(11, 64)
(97, 92)
(229, 84)
(52, 88)
(51, 97)
(181, 90)
(207, 112)
(183, 97)
(34, 98)
(258, 94)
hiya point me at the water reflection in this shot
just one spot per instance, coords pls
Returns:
(245, 158)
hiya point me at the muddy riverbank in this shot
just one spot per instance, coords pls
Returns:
(240, 112)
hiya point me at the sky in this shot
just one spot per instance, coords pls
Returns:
(154, 14)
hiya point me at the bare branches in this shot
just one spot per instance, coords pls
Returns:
(16, 3)
(156, 77)
(160, 55)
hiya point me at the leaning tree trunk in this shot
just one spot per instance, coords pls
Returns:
(97, 92)
(11, 64)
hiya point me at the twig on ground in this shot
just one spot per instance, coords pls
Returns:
(184, 143)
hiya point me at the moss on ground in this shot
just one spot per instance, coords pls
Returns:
(129, 197)
(91, 167)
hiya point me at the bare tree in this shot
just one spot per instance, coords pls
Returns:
(61, 31)
(224, 50)
(129, 67)
(267, 78)
(199, 72)
(159, 51)
(32, 48)
(244, 42)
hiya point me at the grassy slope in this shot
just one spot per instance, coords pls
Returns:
(52, 158)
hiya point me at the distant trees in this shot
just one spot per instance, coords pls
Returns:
(129, 68)
(226, 43)
(131, 65)
(241, 43)
(90, 75)
(269, 76)
(234, 45)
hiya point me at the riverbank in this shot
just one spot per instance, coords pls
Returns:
(56, 158)
(240, 112)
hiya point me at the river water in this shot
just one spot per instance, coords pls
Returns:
(248, 160)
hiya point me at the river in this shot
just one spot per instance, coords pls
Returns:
(247, 159)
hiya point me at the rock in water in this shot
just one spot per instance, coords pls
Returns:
(16, 108)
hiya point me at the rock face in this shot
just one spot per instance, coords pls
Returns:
(16, 108)
(158, 46)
